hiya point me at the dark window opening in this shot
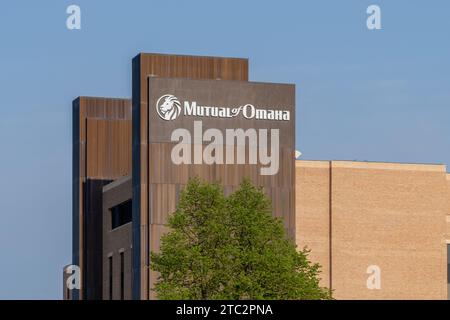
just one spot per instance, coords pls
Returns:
(448, 274)
(122, 276)
(448, 267)
(110, 262)
(121, 214)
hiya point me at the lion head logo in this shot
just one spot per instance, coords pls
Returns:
(168, 107)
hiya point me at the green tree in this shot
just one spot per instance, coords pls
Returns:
(231, 248)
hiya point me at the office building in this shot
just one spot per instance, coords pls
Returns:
(379, 230)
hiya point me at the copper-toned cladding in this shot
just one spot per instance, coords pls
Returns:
(101, 152)
(157, 182)
(160, 65)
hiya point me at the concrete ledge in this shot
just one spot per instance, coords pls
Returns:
(116, 183)
(373, 165)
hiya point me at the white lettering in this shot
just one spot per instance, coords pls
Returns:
(374, 20)
(190, 110)
(274, 158)
(74, 280)
(235, 139)
(74, 19)
(248, 111)
(374, 280)
(213, 153)
(240, 136)
(181, 153)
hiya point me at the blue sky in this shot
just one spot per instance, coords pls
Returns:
(361, 95)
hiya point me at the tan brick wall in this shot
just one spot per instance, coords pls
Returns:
(447, 235)
(448, 208)
(313, 212)
(384, 214)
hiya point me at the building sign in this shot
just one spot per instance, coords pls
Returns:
(169, 107)
(221, 122)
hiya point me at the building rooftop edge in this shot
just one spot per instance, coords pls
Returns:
(373, 165)
(100, 97)
(189, 55)
(116, 183)
(151, 77)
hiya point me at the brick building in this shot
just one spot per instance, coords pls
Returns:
(360, 219)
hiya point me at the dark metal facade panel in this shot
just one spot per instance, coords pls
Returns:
(136, 173)
(161, 65)
(110, 114)
(93, 231)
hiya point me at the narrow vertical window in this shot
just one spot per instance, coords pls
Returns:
(122, 276)
(110, 263)
(121, 214)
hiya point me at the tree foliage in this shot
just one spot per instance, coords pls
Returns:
(231, 247)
